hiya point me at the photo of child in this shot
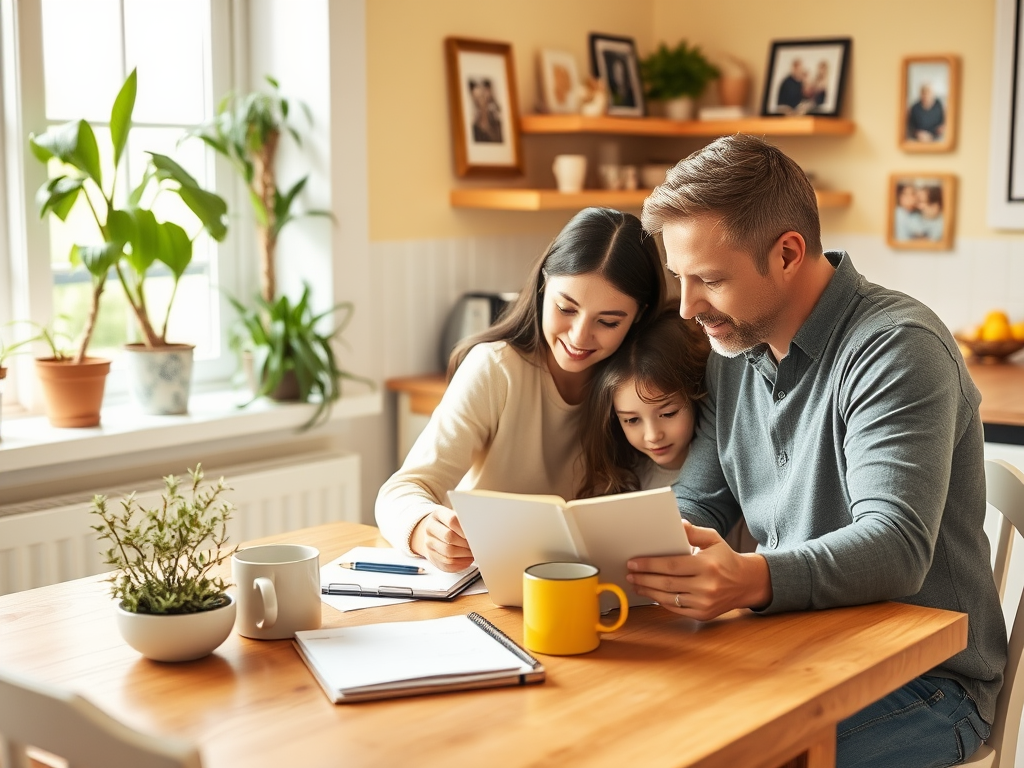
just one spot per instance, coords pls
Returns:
(920, 212)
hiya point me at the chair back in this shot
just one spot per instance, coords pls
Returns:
(66, 725)
(1005, 491)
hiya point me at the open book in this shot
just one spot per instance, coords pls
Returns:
(406, 658)
(508, 532)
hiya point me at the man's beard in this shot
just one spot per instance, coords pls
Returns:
(741, 338)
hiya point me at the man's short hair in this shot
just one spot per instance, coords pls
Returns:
(753, 189)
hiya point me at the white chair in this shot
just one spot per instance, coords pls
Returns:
(66, 725)
(1005, 490)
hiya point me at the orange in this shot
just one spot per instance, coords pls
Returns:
(996, 327)
(1017, 329)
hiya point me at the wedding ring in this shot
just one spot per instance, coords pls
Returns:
(676, 601)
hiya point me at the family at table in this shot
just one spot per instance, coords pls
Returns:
(834, 417)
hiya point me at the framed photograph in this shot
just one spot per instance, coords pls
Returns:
(922, 211)
(484, 108)
(559, 82)
(806, 77)
(929, 103)
(613, 61)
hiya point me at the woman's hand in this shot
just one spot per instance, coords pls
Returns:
(439, 538)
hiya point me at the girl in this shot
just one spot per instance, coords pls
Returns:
(639, 417)
(508, 419)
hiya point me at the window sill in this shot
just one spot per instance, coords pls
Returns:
(31, 442)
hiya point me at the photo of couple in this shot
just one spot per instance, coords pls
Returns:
(921, 215)
(805, 77)
(802, 92)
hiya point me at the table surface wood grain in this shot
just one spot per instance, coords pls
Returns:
(663, 691)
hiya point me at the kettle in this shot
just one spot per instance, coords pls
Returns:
(473, 312)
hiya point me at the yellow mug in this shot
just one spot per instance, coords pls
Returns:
(561, 613)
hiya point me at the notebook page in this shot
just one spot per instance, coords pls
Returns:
(434, 580)
(371, 654)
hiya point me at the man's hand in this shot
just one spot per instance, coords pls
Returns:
(439, 538)
(706, 584)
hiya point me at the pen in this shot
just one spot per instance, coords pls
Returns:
(411, 570)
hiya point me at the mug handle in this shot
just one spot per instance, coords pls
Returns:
(623, 606)
(269, 595)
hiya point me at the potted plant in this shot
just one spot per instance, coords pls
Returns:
(677, 76)
(171, 604)
(132, 239)
(291, 358)
(281, 336)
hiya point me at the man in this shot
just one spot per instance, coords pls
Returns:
(926, 120)
(842, 425)
(791, 89)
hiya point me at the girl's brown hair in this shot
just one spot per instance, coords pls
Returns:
(596, 240)
(668, 357)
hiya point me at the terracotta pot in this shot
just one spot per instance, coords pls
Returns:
(733, 91)
(160, 378)
(73, 392)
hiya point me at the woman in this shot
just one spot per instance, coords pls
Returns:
(508, 419)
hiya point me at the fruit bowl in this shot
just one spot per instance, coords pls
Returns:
(989, 351)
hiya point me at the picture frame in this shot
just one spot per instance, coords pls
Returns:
(1005, 208)
(484, 108)
(614, 62)
(929, 103)
(922, 211)
(559, 82)
(806, 77)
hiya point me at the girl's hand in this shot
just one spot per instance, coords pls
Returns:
(439, 538)
(706, 584)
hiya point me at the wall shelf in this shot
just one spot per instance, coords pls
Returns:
(803, 125)
(553, 200)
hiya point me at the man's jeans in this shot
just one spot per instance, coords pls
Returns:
(928, 723)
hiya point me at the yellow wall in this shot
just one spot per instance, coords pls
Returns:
(410, 162)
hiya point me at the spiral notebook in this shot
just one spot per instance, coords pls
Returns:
(434, 584)
(409, 658)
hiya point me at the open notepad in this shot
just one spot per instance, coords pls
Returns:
(435, 584)
(407, 658)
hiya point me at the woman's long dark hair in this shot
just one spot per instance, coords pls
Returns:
(668, 357)
(595, 241)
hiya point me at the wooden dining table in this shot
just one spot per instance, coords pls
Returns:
(742, 690)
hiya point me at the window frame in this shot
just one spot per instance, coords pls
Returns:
(28, 293)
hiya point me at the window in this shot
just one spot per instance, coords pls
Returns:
(88, 47)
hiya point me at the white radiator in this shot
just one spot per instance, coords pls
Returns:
(48, 541)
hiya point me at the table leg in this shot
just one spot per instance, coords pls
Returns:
(821, 752)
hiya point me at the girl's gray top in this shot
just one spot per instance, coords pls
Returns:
(858, 465)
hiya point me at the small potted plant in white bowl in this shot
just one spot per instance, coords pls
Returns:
(171, 604)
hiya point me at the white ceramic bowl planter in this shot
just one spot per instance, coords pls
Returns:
(177, 637)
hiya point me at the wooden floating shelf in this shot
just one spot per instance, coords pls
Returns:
(803, 125)
(553, 200)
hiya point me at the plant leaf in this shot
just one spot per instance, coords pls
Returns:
(98, 259)
(73, 143)
(121, 115)
(144, 240)
(209, 207)
(59, 195)
(174, 248)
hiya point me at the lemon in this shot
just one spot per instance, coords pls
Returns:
(996, 327)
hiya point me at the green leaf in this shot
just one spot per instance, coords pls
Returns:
(73, 143)
(121, 115)
(98, 259)
(259, 211)
(209, 207)
(166, 168)
(175, 248)
(120, 226)
(59, 195)
(144, 240)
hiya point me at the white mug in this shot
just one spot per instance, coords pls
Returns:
(570, 171)
(278, 590)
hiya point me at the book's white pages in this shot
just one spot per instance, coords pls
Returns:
(434, 584)
(404, 658)
(509, 532)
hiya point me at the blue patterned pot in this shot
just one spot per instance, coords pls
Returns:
(160, 378)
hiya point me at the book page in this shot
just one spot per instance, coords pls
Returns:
(614, 529)
(508, 532)
(352, 658)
